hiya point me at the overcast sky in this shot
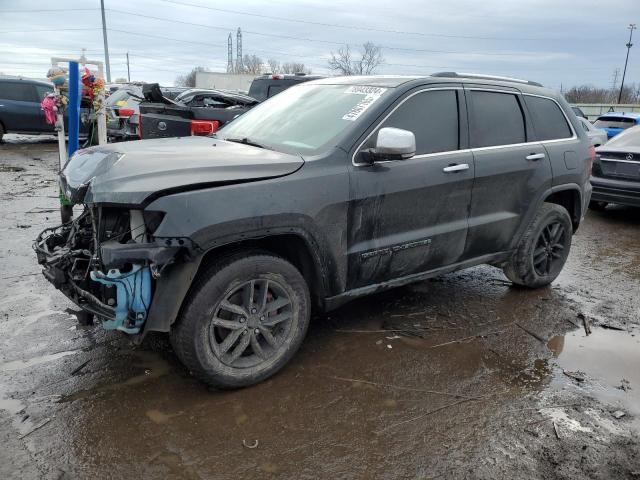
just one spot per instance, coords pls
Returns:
(568, 42)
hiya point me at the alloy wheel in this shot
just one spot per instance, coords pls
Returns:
(549, 251)
(251, 323)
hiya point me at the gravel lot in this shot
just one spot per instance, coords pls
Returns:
(462, 376)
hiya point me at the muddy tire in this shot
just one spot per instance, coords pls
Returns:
(597, 206)
(243, 321)
(1, 132)
(543, 250)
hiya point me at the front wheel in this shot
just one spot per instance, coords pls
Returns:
(245, 319)
(543, 250)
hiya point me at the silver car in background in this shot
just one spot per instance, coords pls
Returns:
(615, 176)
(598, 136)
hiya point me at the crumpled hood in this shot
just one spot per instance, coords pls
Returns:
(130, 172)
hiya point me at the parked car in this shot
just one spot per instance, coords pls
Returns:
(20, 110)
(326, 192)
(194, 112)
(172, 92)
(616, 122)
(268, 85)
(616, 171)
(579, 113)
(206, 97)
(598, 136)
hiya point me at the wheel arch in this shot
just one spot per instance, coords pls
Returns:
(294, 245)
(569, 197)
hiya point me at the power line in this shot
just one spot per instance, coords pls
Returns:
(51, 30)
(336, 25)
(305, 39)
(49, 10)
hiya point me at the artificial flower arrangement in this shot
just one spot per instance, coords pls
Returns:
(57, 102)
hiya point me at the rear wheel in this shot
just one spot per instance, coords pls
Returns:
(1, 132)
(544, 248)
(597, 206)
(245, 319)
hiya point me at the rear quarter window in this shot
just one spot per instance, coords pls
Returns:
(17, 91)
(548, 120)
(496, 119)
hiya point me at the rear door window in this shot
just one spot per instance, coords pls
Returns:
(548, 120)
(496, 119)
(18, 91)
(432, 116)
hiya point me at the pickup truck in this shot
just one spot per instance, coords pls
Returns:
(199, 112)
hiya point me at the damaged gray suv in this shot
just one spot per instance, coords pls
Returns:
(331, 190)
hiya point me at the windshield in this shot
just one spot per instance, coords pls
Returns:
(610, 122)
(628, 138)
(304, 119)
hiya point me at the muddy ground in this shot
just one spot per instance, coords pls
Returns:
(463, 376)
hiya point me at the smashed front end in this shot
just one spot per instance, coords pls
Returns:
(108, 263)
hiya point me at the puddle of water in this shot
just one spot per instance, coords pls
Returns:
(22, 364)
(606, 357)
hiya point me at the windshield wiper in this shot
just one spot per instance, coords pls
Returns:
(246, 141)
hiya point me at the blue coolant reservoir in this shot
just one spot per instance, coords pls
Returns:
(133, 294)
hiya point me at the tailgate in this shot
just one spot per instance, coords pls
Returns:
(158, 120)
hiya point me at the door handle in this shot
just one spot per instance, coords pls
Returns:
(456, 168)
(535, 156)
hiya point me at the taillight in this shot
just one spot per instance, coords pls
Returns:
(125, 112)
(592, 157)
(277, 77)
(204, 127)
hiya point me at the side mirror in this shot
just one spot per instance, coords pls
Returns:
(393, 144)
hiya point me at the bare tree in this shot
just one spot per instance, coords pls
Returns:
(274, 65)
(371, 59)
(295, 67)
(364, 63)
(342, 62)
(189, 80)
(252, 64)
(591, 94)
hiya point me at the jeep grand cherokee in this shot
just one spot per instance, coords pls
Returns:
(331, 190)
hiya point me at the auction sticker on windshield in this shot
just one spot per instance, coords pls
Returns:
(369, 96)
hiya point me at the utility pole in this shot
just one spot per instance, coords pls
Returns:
(239, 67)
(128, 71)
(614, 83)
(631, 27)
(106, 45)
(230, 54)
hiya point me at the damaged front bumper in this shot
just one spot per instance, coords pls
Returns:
(108, 275)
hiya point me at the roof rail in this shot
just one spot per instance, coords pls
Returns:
(485, 77)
